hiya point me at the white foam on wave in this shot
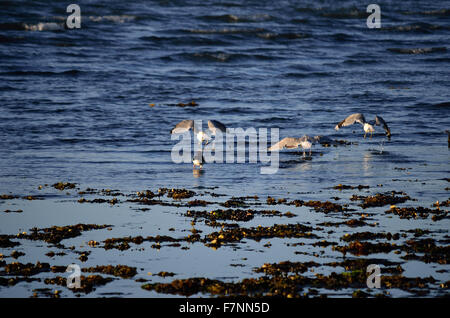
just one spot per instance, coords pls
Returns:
(44, 26)
(112, 18)
(60, 26)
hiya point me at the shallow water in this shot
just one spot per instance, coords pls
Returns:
(75, 107)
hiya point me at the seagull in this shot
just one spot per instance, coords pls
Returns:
(368, 127)
(198, 160)
(304, 142)
(185, 125)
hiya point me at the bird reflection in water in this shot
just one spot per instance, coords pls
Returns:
(367, 161)
(198, 172)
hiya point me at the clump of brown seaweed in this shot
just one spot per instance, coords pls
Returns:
(118, 270)
(87, 283)
(380, 199)
(56, 234)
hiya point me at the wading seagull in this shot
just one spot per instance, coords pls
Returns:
(198, 160)
(368, 127)
(185, 125)
(304, 142)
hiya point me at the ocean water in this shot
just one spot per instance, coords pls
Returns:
(95, 106)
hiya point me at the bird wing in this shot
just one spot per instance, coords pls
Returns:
(288, 142)
(379, 121)
(350, 120)
(182, 127)
(213, 125)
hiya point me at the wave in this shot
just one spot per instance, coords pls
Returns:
(41, 26)
(308, 74)
(418, 27)
(286, 36)
(444, 104)
(61, 24)
(227, 31)
(217, 57)
(112, 18)
(231, 18)
(183, 40)
(272, 120)
(418, 50)
(361, 61)
(339, 13)
(45, 26)
(345, 13)
(438, 12)
(101, 18)
(39, 73)
(7, 39)
(437, 59)
(342, 37)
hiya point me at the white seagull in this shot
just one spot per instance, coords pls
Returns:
(368, 127)
(304, 142)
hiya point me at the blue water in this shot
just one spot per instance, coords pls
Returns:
(75, 104)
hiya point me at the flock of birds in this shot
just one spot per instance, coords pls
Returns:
(305, 142)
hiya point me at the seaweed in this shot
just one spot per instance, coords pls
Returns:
(122, 243)
(417, 212)
(6, 242)
(432, 253)
(118, 270)
(64, 185)
(282, 268)
(361, 236)
(235, 203)
(87, 283)
(216, 239)
(366, 248)
(29, 269)
(346, 187)
(8, 197)
(219, 214)
(287, 286)
(56, 234)
(380, 199)
(325, 207)
(178, 194)
(350, 223)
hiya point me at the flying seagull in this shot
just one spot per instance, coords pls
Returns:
(368, 127)
(185, 125)
(304, 142)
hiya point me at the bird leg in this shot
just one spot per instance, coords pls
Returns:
(310, 152)
(371, 134)
(365, 135)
